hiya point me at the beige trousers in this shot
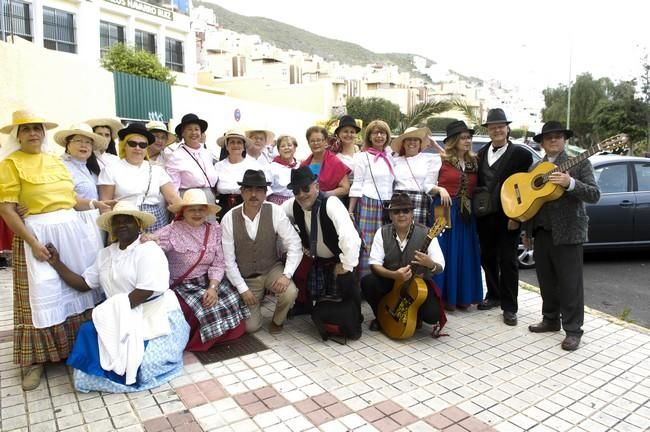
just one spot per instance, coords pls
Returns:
(258, 286)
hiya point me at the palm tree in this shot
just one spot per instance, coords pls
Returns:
(472, 115)
(421, 112)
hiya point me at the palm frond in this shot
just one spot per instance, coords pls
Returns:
(421, 112)
(471, 114)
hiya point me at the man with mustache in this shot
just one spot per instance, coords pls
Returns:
(250, 235)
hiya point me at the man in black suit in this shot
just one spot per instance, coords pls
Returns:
(560, 229)
(498, 235)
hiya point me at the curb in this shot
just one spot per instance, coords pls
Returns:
(599, 314)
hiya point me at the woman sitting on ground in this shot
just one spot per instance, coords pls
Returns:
(140, 325)
(211, 305)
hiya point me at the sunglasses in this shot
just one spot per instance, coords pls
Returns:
(401, 211)
(303, 189)
(134, 144)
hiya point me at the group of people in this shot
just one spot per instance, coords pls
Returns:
(126, 255)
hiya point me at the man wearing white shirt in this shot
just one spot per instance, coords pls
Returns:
(330, 243)
(395, 257)
(250, 235)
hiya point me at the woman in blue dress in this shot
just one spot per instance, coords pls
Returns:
(136, 338)
(461, 283)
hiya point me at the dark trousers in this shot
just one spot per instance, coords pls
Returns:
(499, 260)
(559, 272)
(375, 287)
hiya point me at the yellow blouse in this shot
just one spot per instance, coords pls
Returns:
(38, 181)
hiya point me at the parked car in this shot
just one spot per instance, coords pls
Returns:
(621, 218)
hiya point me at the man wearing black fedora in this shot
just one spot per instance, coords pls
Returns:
(251, 232)
(498, 235)
(560, 229)
(330, 242)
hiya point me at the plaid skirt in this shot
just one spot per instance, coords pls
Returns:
(32, 345)
(369, 216)
(161, 214)
(422, 204)
(229, 311)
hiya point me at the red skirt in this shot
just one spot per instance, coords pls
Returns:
(6, 236)
(194, 344)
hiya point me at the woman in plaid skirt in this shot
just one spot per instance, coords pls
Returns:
(373, 185)
(47, 311)
(135, 180)
(415, 172)
(212, 306)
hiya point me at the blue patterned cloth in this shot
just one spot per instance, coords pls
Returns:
(163, 360)
(162, 217)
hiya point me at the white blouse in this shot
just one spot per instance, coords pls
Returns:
(365, 169)
(228, 174)
(417, 173)
(280, 178)
(131, 182)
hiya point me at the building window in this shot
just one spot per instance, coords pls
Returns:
(109, 34)
(58, 30)
(174, 54)
(145, 41)
(18, 21)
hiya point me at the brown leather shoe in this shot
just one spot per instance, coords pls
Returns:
(274, 328)
(544, 327)
(571, 343)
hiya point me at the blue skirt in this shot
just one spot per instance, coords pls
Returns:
(461, 283)
(163, 360)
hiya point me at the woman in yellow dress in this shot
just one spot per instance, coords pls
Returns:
(47, 312)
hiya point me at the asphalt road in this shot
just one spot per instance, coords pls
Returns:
(614, 283)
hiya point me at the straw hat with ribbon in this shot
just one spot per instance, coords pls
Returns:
(160, 126)
(421, 133)
(270, 135)
(193, 197)
(233, 133)
(125, 208)
(80, 129)
(113, 123)
(22, 117)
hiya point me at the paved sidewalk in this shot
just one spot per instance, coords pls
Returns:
(484, 376)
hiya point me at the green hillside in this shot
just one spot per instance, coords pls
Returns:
(285, 36)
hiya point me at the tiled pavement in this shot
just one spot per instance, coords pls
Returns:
(484, 376)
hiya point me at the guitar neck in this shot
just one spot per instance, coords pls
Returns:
(570, 163)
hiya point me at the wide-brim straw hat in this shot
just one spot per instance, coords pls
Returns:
(160, 126)
(80, 129)
(270, 135)
(125, 208)
(22, 117)
(194, 197)
(412, 132)
(233, 133)
(114, 123)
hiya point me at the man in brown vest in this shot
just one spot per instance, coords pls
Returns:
(250, 235)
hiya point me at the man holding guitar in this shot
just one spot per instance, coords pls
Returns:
(498, 235)
(560, 229)
(394, 258)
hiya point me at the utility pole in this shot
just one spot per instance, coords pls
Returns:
(568, 108)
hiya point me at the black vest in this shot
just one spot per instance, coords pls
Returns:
(330, 236)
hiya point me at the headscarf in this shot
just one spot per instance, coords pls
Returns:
(11, 143)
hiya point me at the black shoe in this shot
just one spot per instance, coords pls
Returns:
(510, 318)
(544, 327)
(374, 325)
(571, 343)
(488, 304)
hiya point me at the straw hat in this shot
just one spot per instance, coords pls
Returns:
(233, 133)
(80, 129)
(270, 135)
(113, 123)
(160, 126)
(22, 117)
(194, 197)
(125, 208)
(412, 132)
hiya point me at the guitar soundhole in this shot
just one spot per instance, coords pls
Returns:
(538, 182)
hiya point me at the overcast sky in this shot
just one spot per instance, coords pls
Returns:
(525, 43)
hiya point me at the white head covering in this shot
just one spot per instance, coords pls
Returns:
(11, 144)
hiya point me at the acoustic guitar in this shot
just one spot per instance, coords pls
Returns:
(523, 194)
(397, 313)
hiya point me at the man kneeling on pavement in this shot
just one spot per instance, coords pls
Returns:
(393, 257)
(250, 247)
(329, 239)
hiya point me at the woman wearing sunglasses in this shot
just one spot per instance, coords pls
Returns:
(137, 181)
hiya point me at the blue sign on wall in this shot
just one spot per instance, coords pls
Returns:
(237, 114)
